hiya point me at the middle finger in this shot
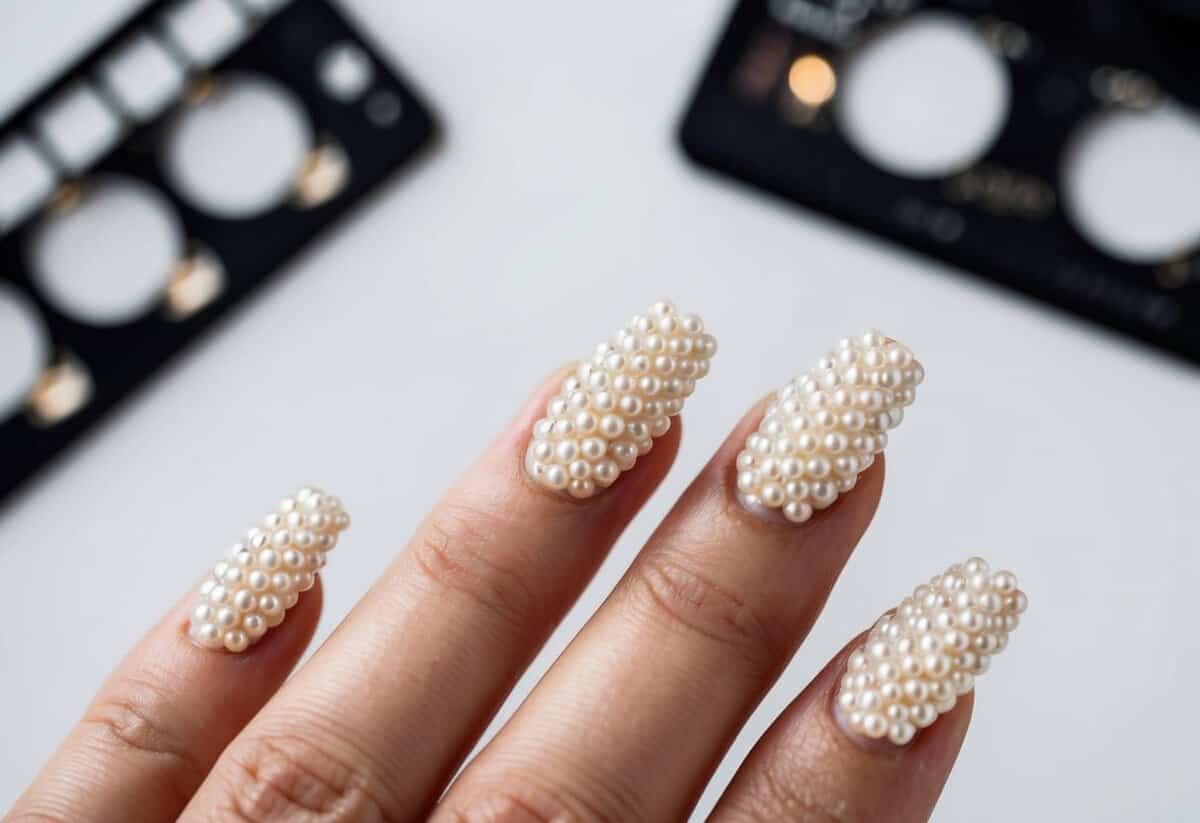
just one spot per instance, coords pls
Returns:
(640, 708)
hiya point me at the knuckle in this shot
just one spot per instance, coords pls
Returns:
(685, 596)
(530, 801)
(289, 778)
(459, 549)
(131, 717)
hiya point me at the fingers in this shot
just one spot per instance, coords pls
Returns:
(875, 735)
(378, 721)
(164, 715)
(632, 719)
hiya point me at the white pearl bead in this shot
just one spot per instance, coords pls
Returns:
(250, 592)
(926, 665)
(619, 402)
(207, 634)
(816, 428)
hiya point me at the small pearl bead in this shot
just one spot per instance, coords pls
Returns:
(612, 426)
(772, 495)
(208, 634)
(873, 725)
(555, 477)
(606, 471)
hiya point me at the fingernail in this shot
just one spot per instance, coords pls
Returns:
(825, 427)
(262, 577)
(919, 658)
(613, 406)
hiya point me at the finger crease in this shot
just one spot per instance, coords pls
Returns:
(693, 600)
(126, 721)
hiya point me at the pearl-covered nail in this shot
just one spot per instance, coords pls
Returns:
(262, 577)
(611, 407)
(825, 427)
(919, 658)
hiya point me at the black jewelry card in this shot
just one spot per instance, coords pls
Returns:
(766, 111)
(160, 180)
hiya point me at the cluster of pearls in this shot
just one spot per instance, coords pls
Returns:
(919, 658)
(262, 577)
(611, 408)
(825, 427)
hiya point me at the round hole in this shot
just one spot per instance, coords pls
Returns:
(237, 153)
(107, 258)
(23, 348)
(1130, 180)
(924, 98)
(345, 72)
(384, 108)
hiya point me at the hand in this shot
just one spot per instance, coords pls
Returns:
(633, 718)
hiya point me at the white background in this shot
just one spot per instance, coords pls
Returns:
(556, 206)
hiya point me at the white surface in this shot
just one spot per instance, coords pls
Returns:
(1057, 450)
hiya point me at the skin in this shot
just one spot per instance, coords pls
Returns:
(628, 724)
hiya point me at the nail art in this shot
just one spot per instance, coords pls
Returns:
(611, 408)
(262, 577)
(919, 658)
(825, 427)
